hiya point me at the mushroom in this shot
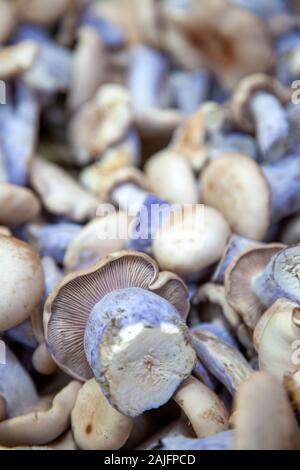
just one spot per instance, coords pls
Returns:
(41, 426)
(203, 408)
(122, 320)
(221, 441)
(52, 274)
(60, 193)
(224, 361)
(42, 12)
(234, 248)
(42, 360)
(17, 390)
(279, 325)
(171, 178)
(15, 60)
(8, 19)
(190, 239)
(84, 86)
(100, 237)
(17, 205)
(190, 89)
(263, 8)
(258, 104)
(259, 277)
(264, 419)
(292, 385)
(178, 428)
(111, 35)
(22, 281)
(100, 123)
(96, 424)
(231, 42)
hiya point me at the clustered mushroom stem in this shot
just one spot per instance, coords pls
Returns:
(272, 127)
(283, 178)
(147, 70)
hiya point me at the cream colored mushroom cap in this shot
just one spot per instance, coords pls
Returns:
(190, 239)
(22, 281)
(96, 424)
(235, 185)
(17, 205)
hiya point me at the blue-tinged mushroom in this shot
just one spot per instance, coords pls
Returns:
(190, 89)
(122, 322)
(220, 441)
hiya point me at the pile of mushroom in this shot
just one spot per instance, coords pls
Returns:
(149, 225)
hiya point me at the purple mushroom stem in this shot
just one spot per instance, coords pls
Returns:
(263, 8)
(110, 34)
(190, 89)
(236, 245)
(234, 142)
(53, 274)
(137, 331)
(284, 180)
(23, 335)
(280, 278)
(147, 71)
(206, 377)
(221, 441)
(219, 330)
(272, 126)
(53, 239)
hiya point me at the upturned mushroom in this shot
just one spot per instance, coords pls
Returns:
(262, 423)
(60, 193)
(261, 276)
(171, 177)
(190, 239)
(95, 423)
(258, 104)
(279, 325)
(232, 42)
(17, 205)
(122, 320)
(22, 281)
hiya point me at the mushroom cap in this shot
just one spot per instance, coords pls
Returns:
(122, 176)
(264, 419)
(232, 42)
(278, 327)
(96, 424)
(99, 238)
(246, 89)
(22, 281)
(68, 308)
(17, 205)
(238, 281)
(41, 11)
(205, 411)
(8, 19)
(42, 426)
(190, 239)
(236, 186)
(171, 177)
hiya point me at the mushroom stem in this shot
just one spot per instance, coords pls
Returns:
(236, 246)
(147, 69)
(271, 124)
(190, 89)
(283, 178)
(280, 278)
(138, 348)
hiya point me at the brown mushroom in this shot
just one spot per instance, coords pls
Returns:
(17, 205)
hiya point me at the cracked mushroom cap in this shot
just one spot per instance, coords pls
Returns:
(22, 281)
(17, 205)
(235, 185)
(40, 427)
(190, 239)
(280, 326)
(232, 42)
(264, 419)
(68, 308)
(246, 89)
(238, 281)
(96, 424)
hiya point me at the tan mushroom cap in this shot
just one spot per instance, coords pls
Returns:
(171, 177)
(122, 176)
(264, 419)
(68, 307)
(278, 326)
(238, 281)
(41, 427)
(205, 411)
(22, 281)
(8, 19)
(42, 360)
(17, 205)
(97, 239)
(246, 89)
(231, 41)
(42, 12)
(236, 186)
(96, 424)
(190, 239)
